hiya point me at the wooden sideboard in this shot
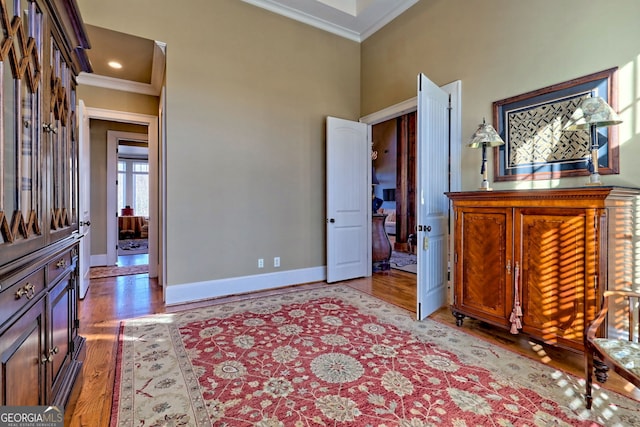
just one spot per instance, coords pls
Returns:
(555, 250)
(41, 351)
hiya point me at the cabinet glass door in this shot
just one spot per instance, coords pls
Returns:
(21, 195)
(59, 132)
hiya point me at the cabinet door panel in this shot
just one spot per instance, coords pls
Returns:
(60, 330)
(482, 263)
(21, 350)
(553, 277)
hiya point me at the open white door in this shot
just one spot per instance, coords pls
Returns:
(85, 198)
(348, 199)
(432, 204)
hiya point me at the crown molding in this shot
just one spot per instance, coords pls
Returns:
(400, 8)
(105, 82)
(306, 18)
(356, 28)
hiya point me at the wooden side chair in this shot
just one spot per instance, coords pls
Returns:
(621, 355)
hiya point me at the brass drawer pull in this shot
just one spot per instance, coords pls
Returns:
(27, 290)
(62, 263)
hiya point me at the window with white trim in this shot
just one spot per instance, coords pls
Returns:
(133, 185)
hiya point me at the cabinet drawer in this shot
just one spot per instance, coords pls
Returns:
(18, 295)
(58, 266)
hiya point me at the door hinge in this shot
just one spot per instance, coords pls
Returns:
(77, 323)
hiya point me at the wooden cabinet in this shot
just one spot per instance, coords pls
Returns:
(550, 251)
(41, 352)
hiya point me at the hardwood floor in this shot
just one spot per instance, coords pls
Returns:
(113, 299)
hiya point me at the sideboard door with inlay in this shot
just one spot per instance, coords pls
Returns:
(483, 264)
(557, 253)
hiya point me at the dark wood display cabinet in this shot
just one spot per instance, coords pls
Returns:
(553, 252)
(42, 49)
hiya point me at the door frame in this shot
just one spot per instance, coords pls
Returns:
(455, 141)
(155, 235)
(113, 141)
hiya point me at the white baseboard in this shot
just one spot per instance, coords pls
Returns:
(191, 292)
(98, 260)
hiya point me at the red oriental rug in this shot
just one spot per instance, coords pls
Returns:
(335, 356)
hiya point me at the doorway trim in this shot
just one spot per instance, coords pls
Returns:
(113, 140)
(154, 195)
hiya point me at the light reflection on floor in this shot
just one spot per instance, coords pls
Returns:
(139, 259)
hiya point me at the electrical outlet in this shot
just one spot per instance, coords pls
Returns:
(276, 261)
(261, 263)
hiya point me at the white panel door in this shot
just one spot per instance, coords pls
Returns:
(85, 198)
(432, 204)
(348, 199)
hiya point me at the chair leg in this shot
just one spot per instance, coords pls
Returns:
(589, 377)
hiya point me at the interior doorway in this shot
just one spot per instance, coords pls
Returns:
(132, 199)
(436, 176)
(394, 183)
(150, 124)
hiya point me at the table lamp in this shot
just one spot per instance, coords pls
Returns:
(485, 136)
(591, 114)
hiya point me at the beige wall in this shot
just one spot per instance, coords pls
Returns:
(247, 96)
(117, 100)
(502, 48)
(248, 92)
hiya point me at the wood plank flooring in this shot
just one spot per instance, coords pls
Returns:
(113, 299)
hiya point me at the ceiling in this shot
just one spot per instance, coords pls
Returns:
(143, 60)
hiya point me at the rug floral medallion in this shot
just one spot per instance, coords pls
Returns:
(335, 356)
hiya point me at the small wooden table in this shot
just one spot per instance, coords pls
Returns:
(130, 227)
